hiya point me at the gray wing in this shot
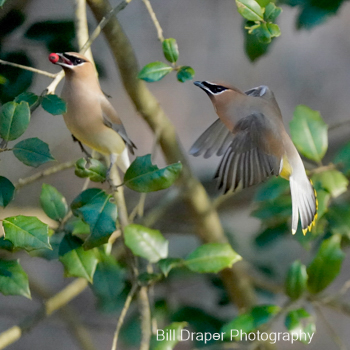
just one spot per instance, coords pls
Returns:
(119, 128)
(215, 139)
(252, 156)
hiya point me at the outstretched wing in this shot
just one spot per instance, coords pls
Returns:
(254, 154)
(215, 139)
(111, 119)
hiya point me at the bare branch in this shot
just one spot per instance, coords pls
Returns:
(31, 69)
(155, 20)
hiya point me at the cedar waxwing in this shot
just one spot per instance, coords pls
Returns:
(255, 145)
(90, 117)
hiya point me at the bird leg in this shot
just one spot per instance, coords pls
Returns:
(83, 149)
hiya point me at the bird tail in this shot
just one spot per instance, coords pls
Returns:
(304, 202)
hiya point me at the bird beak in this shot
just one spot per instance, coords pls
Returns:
(203, 87)
(63, 61)
(199, 84)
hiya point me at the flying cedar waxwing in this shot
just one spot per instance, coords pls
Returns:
(90, 117)
(251, 137)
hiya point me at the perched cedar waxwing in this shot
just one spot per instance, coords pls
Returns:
(255, 145)
(90, 117)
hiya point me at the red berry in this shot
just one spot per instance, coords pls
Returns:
(53, 58)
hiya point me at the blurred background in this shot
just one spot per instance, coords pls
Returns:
(308, 67)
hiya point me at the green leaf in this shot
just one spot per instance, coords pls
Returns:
(309, 133)
(274, 30)
(272, 189)
(26, 232)
(323, 199)
(343, 158)
(326, 265)
(261, 32)
(98, 212)
(109, 282)
(271, 234)
(92, 169)
(338, 218)
(296, 280)
(145, 242)
(13, 279)
(14, 120)
(3, 80)
(170, 50)
(185, 73)
(250, 10)
(249, 321)
(212, 257)
(7, 191)
(253, 47)
(154, 71)
(298, 322)
(77, 262)
(54, 104)
(271, 12)
(168, 264)
(28, 97)
(143, 176)
(333, 181)
(76, 226)
(6, 245)
(53, 203)
(163, 343)
(279, 208)
(32, 152)
(2, 2)
(55, 240)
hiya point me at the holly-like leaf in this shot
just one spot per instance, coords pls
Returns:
(185, 73)
(338, 218)
(326, 265)
(154, 71)
(143, 176)
(94, 207)
(32, 152)
(250, 10)
(272, 189)
(26, 232)
(54, 104)
(53, 203)
(109, 282)
(249, 321)
(309, 133)
(7, 191)
(170, 50)
(92, 169)
(145, 242)
(28, 97)
(274, 29)
(14, 120)
(168, 343)
(343, 158)
(168, 264)
(333, 181)
(212, 257)
(271, 12)
(261, 32)
(296, 280)
(77, 262)
(13, 279)
(300, 322)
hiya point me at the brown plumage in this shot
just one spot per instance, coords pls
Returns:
(254, 145)
(90, 117)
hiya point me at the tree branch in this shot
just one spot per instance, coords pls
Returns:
(208, 225)
(49, 307)
(31, 69)
(155, 20)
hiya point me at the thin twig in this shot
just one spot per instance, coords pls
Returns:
(145, 318)
(31, 69)
(50, 306)
(122, 315)
(103, 23)
(339, 124)
(155, 20)
(46, 172)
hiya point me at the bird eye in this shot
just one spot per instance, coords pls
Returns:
(78, 61)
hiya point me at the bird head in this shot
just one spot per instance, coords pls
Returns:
(72, 62)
